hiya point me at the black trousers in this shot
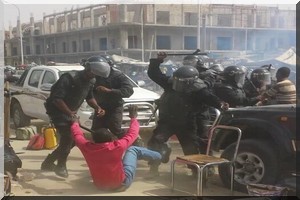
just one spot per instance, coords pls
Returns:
(187, 137)
(66, 143)
(112, 120)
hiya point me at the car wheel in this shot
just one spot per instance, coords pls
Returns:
(256, 162)
(19, 118)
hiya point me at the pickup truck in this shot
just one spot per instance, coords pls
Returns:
(267, 151)
(35, 83)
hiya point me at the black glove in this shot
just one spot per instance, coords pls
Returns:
(133, 111)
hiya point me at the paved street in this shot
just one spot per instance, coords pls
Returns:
(33, 182)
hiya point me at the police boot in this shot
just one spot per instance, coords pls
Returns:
(153, 172)
(61, 169)
(165, 153)
(48, 163)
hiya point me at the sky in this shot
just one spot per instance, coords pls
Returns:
(37, 9)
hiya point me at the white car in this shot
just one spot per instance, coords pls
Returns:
(34, 86)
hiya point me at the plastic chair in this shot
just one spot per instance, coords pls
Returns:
(203, 161)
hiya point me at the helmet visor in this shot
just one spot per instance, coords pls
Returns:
(239, 79)
(101, 69)
(262, 78)
(190, 62)
(182, 84)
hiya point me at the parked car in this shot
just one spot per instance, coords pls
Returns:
(36, 82)
(267, 152)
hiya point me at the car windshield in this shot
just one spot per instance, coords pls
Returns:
(73, 72)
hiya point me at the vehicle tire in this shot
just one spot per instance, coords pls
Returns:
(19, 118)
(256, 162)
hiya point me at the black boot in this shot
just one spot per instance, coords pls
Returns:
(165, 153)
(153, 172)
(61, 169)
(48, 163)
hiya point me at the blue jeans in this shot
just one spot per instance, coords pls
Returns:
(130, 158)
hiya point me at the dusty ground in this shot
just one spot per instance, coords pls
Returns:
(33, 182)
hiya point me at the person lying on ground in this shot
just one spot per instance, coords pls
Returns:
(112, 162)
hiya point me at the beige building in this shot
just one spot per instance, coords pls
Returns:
(140, 31)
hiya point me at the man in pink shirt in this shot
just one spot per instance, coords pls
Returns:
(109, 169)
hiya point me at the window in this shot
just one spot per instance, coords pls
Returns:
(103, 43)
(162, 17)
(190, 18)
(190, 42)
(86, 45)
(249, 20)
(27, 50)
(74, 46)
(224, 20)
(49, 78)
(163, 42)
(53, 48)
(34, 78)
(132, 42)
(14, 51)
(224, 43)
(37, 49)
(64, 47)
(281, 23)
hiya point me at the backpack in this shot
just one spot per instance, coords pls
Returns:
(11, 161)
(36, 142)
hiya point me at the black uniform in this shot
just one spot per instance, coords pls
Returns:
(72, 91)
(250, 89)
(233, 95)
(112, 102)
(177, 112)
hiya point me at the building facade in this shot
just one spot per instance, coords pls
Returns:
(140, 31)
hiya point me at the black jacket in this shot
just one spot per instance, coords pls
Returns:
(233, 95)
(72, 90)
(119, 83)
(180, 108)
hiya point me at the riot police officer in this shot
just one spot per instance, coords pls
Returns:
(210, 76)
(184, 94)
(231, 89)
(259, 79)
(110, 88)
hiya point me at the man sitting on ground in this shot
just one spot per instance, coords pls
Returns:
(109, 169)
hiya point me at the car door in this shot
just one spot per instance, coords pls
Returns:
(32, 87)
(48, 77)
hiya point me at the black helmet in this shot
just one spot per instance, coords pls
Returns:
(217, 68)
(235, 74)
(195, 61)
(271, 69)
(98, 66)
(184, 77)
(260, 77)
(109, 59)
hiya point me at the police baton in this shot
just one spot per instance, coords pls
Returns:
(87, 129)
(197, 52)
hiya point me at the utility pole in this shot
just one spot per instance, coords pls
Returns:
(21, 33)
(198, 27)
